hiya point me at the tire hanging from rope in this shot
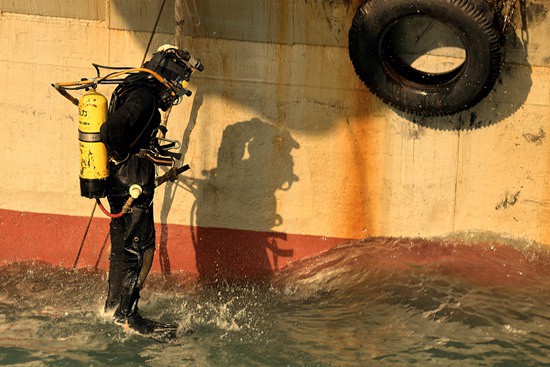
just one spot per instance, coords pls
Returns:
(373, 50)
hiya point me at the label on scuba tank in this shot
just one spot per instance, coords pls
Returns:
(92, 113)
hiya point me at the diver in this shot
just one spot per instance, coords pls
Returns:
(131, 127)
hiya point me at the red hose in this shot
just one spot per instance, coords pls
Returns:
(107, 213)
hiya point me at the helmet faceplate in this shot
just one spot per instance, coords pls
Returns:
(173, 67)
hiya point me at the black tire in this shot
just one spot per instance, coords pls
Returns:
(395, 82)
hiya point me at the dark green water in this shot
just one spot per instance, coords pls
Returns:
(379, 302)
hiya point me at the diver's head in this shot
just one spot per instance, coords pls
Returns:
(173, 65)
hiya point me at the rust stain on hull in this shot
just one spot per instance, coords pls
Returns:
(361, 172)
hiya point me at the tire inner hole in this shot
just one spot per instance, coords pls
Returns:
(424, 50)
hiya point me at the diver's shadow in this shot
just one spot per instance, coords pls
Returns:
(170, 188)
(254, 161)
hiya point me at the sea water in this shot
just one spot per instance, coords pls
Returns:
(377, 302)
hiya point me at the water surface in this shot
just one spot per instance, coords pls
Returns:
(377, 302)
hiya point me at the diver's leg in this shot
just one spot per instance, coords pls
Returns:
(138, 258)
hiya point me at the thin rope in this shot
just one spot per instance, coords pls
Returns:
(101, 250)
(153, 32)
(509, 15)
(196, 12)
(179, 24)
(84, 237)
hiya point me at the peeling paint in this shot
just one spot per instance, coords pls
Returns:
(508, 201)
(536, 138)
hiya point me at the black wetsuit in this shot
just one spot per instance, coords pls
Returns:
(132, 121)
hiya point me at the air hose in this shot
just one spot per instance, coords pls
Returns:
(88, 83)
(134, 191)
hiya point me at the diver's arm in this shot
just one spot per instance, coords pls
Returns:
(125, 124)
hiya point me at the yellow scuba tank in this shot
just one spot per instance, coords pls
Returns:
(94, 169)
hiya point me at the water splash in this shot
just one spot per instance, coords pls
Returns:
(467, 299)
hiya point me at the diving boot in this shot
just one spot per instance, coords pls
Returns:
(154, 329)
